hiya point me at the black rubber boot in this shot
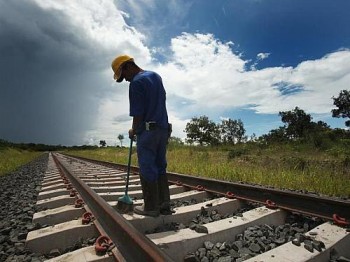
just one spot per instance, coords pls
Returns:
(150, 199)
(164, 196)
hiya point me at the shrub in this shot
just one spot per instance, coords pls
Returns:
(236, 152)
(346, 162)
(295, 163)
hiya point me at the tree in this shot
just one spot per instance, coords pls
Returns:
(342, 102)
(319, 127)
(297, 123)
(175, 140)
(275, 135)
(203, 131)
(103, 143)
(232, 131)
(322, 126)
(121, 138)
(253, 138)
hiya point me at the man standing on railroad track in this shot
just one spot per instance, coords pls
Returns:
(150, 126)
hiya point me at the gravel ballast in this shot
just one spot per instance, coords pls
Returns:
(19, 191)
(258, 239)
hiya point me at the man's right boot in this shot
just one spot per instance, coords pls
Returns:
(164, 195)
(150, 199)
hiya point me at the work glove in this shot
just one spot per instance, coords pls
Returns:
(132, 134)
(170, 129)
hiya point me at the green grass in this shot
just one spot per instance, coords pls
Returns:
(283, 166)
(293, 172)
(109, 154)
(11, 159)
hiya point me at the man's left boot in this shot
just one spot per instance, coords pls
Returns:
(164, 195)
(150, 205)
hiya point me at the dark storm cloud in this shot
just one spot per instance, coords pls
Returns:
(49, 81)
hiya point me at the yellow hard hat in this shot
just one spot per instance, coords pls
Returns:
(116, 66)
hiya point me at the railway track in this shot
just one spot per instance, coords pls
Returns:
(213, 220)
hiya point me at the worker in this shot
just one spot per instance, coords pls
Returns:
(150, 126)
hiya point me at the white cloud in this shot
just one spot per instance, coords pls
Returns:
(209, 73)
(101, 24)
(321, 78)
(262, 56)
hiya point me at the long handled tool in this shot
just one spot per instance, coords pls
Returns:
(125, 203)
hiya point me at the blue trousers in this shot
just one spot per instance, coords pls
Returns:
(151, 153)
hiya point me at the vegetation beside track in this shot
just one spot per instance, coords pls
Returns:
(291, 165)
(14, 155)
(12, 158)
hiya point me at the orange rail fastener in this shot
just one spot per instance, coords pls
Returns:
(86, 218)
(102, 244)
(230, 195)
(340, 221)
(79, 203)
(178, 183)
(270, 204)
(200, 188)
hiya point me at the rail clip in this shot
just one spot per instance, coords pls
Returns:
(230, 195)
(270, 204)
(102, 244)
(73, 193)
(340, 221)
(178, 183)
(79, 203)
(200, 188)
(87, 218)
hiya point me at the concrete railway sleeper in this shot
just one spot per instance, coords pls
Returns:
(213, 220)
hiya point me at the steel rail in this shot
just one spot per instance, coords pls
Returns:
(133, 245)
(292, 201)
(308, 204)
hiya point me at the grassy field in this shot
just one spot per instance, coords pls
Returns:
(287, 166)
(11, 159)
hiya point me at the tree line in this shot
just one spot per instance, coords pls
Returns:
(298, 125)
(41, 147)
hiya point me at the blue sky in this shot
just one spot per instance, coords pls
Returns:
(291, 30)
(241, 59)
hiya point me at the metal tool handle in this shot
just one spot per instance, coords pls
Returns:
(129, 164)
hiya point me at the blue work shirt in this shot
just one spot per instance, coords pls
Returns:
(147, 98)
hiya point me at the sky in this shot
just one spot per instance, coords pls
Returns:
(238, 59)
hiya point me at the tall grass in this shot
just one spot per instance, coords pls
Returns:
(11, 159)
(109, 154)
(285, 167)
